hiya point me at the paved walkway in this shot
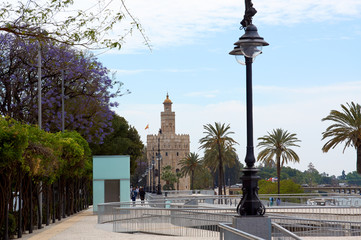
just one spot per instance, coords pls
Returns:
(83, 226)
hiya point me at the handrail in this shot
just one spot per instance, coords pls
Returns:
(311, 219)
(239, 232)
(285, 231)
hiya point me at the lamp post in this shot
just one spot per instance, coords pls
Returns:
(159, 158)
(146, 179)
(249, 45)
(153, 166)
(150, 178)
(177, 171)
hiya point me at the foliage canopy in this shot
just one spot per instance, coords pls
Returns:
(64, 22)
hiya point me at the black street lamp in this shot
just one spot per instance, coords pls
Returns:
(249, 45)
(146, 179)
(150, 177)
(153, 166)
(178, 174)
(159, 158)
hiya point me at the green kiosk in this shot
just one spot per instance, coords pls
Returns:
(111, 179)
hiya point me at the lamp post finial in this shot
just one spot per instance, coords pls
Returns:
(249, 12)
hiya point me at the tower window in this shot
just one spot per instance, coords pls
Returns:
(177, 153)
(166, 153)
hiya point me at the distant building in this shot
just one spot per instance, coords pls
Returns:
(173, 147)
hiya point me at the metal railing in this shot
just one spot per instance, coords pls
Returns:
(278, 232)
(326, 213)
(316, 228)
(200, 216)
(228, 232)
(193, 222)
(186, 222)
(281, 233)
(105, 210)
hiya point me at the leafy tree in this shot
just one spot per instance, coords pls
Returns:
(76, 154)
(346, 128)
(13, 142)
(203, 178)
(306, 177)
(140, 176)
(42, 157)
(217, 144)
(353, 178)
(287, 187)
(60, 21)
(343, 175)
(266, 172)
(28, 156)
(311, 167)
(189, 164)
(233, 173)
(211, 160)
(124, 140)
(87, 83)
(277, 145)
(169, 177)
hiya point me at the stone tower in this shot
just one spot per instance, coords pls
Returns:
(172, 147)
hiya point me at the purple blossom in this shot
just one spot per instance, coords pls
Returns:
(87, 87)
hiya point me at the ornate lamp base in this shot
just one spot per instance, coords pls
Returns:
(250, 204)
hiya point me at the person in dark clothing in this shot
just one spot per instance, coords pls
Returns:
(133, 196)
(141, 195)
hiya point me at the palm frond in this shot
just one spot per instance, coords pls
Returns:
(345, 129)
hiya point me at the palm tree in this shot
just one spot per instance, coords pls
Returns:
(346, 128)
(277, 144)
(217, 140)
(211, 160)
(189, 165)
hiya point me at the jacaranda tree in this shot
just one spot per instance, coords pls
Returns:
(88, 88)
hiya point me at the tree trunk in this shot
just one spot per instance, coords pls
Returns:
(39, 196)
(359, 159)
(7, 198)
(220, 168)
(278, 158)
(60, 196)
(47, 204)
(20, 220)
(64, 196)
(224, 187)
(192, 179)
(30, 205)
(53, 200)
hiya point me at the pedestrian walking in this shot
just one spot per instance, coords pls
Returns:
(271, 201)
(133, 195)
(141, 195)
(137, 192)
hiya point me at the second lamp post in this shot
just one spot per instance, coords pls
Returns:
(159, 158)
